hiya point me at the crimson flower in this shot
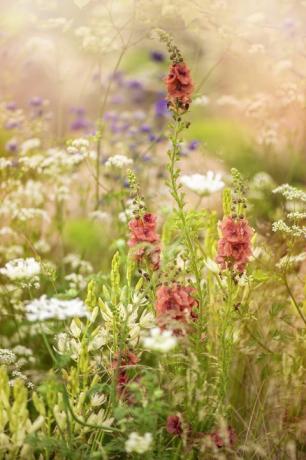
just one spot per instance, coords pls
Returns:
(234, 248)
(175, 303)
(179, 83)
(174, 425)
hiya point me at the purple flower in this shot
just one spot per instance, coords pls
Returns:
(79, 124)
(11, 145)
(193, 145)
(157, 56)
(161, 109)
(12, 124)
(11, 106)
(36, 101)
(134, 84)
(145, 128)
(110, 116)
(151, 137)
(147, 157)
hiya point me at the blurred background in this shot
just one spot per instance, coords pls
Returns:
(73, 69)
(70, 63)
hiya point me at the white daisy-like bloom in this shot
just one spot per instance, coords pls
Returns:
(203, 184)
(52, 308)
(159, 340)
(118, 161)
(20, 269)
(137, 443)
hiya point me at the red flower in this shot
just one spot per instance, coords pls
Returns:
(175, 303)
(174, 425)
(143, 231)
(234, 248)
(120, 363)
(179, 83)
(221, 439)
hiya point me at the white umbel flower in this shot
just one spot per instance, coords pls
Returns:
(20, 269)
(203, 184)
(137, 443)
(30, 144)
(52, 308)
(159, 340)
(118, 161)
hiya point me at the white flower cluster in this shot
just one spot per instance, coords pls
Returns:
(296, 215)
(137, 443)
(76, 263)
(20, 269)
(159, 340)
(291, 193)
(52, 308)
(80, 145)
(30, 144)
(281, 226)
(288, 262)
(203, 184)
(26, 214)
(7, 356)
(118, 161)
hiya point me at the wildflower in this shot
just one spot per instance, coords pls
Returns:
(11, 145)
(223, 438)
(52, 308)
(234, 248)
(175, 303)
(159, 340)
(174, 425)
(157, 56)
(203, 184)
(19, 269)
(294, 230)
(7, 356)
(179, 83)
(118, 161)
(30, 144)
(291, 193)
(143, 231)
(137, 443)
(120, 364)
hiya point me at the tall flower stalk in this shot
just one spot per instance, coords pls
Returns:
(179, 90)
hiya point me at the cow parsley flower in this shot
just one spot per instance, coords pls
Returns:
(7, 356)
(203, 184)
(291, 193)
(30, 144)
(118, 161)
(52, 308)
(159, 340)
(20, 269)
(137, 443)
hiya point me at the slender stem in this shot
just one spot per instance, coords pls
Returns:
(294, 301)
(178, 197)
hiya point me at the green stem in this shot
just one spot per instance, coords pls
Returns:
(294, 301)
(178, 197)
